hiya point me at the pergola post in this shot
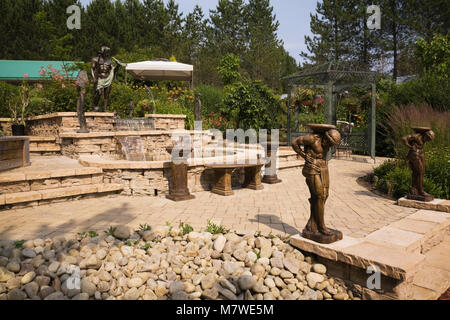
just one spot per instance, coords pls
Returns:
(373, 122)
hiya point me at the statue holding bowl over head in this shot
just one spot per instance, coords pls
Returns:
(416, 161)
(315, 149)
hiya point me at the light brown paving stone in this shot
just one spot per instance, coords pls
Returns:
(350, 206)
(406, 240)
(417, 226)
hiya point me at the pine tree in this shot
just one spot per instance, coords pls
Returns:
(227, 32)
(333, 29)
(264, 55)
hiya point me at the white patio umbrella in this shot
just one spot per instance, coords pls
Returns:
(161, 70)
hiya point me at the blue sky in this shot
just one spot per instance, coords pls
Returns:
(293, 16)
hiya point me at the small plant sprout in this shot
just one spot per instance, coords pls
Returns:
(128, 243)
(82, 235)
(92, 234)
(147, 246)
(185, 229)
(258, 253)
(19, 243)
(215, 229)
(144, 227)
(110, 231)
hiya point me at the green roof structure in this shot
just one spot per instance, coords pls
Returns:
(14, 70)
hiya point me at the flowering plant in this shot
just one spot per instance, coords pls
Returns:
(24, 101)
(303, 94)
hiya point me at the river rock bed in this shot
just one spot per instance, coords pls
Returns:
(161, 264)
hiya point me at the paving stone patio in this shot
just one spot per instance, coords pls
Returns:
(281, 209)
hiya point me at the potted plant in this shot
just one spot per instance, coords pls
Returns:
(367, 100)
(305, 96)
(18, 108)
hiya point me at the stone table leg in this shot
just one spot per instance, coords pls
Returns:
(223, 181)
(253, 178)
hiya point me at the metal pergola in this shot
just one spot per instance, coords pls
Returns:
(334, 77)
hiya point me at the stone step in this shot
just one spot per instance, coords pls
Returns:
(49, 194)
(417, 233)
(434, 278)
(45, 148)
(42, 139)
(41, 175)
(44, 145)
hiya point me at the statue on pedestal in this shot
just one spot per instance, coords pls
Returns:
(315, 148)
(81, 83)
(198, 107)
(103, 72)
(416, 161)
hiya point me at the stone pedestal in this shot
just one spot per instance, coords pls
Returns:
(321, 238)
(271, 166)
(179, 191)
(427, 198)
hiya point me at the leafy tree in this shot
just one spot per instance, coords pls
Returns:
(434, 56)
(251, 105)
(229, 69)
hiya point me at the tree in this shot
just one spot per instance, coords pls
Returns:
(333, 29)
(434, 56)
(264, 55)
(227, 32)
(193, 35)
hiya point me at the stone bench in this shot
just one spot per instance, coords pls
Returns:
(223, 174)
(14, 152)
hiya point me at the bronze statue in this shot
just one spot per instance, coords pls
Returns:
(315, 148)
(103, 73)
(416, 161)
(198, 107)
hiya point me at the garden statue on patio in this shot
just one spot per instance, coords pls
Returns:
(416, 161)
(103, 73)
(315, 148)
(81, 83)
(198, 107)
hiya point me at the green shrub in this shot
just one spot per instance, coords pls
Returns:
(394, 177)
(211, 98)
(251, 104)
(7, 92)
(39, 106)
(428, 88)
